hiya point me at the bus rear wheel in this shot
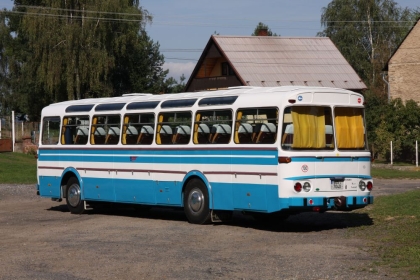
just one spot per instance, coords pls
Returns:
(74, 196)
(196, 202)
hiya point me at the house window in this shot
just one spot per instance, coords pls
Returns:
(226, 69)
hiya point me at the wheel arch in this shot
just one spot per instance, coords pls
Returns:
(197, 174)
(66, 175)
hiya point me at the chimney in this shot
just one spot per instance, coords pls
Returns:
(263, 32)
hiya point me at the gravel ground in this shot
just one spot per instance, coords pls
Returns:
(40, 239)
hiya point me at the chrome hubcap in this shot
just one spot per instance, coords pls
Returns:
(196, 200)
(74, 195)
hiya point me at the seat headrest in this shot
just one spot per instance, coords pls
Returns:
(269, 127)
(82, 131)
(203, 128)
(165, 130)
(147, 129)
(221, 129)
(131, 130)
(114, 130)
(183, 129)
(100, 131)
(245, 128)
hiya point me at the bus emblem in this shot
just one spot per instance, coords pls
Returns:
(305, 168)
(133, 158)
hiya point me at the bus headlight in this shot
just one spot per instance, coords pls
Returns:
(362, 185)
(306, 186)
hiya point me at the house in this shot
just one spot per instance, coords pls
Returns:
(267, 61)
(404, 67)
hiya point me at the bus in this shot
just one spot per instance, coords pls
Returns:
(265, 151)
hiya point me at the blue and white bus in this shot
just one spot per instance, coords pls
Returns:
(266, 151)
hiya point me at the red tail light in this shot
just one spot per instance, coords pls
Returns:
(298, 187)
(369, 186)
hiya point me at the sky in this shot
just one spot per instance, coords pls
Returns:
(183, 27)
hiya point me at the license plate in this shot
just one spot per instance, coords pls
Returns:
(337, 185)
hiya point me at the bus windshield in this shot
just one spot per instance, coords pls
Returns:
(312, 127)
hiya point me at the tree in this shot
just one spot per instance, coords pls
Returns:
(367, 33)
(75, 49)
(262, 26)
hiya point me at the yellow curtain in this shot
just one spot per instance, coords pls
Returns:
(349, 128)
(92, 132)
(308, 127)
(125, 126)
(63, 139)
(197, 120)
(238, 123)
(159, 126)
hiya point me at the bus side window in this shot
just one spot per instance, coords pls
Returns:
(256, 126)
(50, 130)
(174, 128)
(213, 127)
(138, 129)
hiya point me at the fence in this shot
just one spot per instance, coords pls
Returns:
(15, 131)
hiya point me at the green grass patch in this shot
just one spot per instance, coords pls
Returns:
(395, 233)
(388, 173)
(17, 168)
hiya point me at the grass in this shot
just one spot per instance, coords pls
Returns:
(388, 173)
(17, 168)
(395, 233)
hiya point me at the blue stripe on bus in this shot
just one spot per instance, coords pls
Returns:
(323, 176)
(181, 157)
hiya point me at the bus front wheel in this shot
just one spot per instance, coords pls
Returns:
(196, 202)
(74, 196)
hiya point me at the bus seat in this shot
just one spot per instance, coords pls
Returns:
(113, 135)
(203, 133)
(182, 134)
(221, 133)
(99, 135)
(255, 131)
(245, 131)
(329, 136)
(131, 135)
(287, 138)
(146, 135)
(165, 134)
(267, 134)
(82, 135)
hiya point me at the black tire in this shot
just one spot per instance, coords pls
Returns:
(196, 202)
(74, 196)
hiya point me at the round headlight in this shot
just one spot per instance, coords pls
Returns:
(306, 186)
(362, 185)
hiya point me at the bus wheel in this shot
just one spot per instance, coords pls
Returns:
(196, 202)
(74, 197)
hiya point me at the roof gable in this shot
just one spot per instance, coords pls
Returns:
(279, 61)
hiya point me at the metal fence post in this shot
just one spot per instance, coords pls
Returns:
(391, 153)
(13, 131)
(417, 155)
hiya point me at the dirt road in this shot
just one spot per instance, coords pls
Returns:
(40, 239)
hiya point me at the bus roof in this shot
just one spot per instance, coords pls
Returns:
(245, 95)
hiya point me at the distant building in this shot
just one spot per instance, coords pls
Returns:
(229, 61)
(404, 67)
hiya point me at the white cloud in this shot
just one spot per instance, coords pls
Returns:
(176, 69)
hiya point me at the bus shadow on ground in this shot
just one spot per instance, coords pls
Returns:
(303, 222)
